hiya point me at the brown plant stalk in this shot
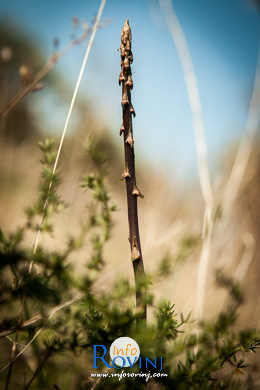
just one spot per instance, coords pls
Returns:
(132, 191)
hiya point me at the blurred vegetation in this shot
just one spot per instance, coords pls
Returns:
(41, 280)
(20, 57)
(62, 286)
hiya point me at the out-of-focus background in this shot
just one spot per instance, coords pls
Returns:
(223, 42)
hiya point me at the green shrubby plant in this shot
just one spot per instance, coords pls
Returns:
(63, 350)
(51, 316)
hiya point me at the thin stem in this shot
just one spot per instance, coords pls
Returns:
(132, 191)
(246, 260)
(22, 351)
(40, 366)
(14, 347)
(193, 95)
(40, 317)
(68, 302)
(36, 238)
(245, 147)
(98, 380)
(201, 147)
(14, 101)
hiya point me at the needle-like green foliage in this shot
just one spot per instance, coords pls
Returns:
(63, 352)
(52, 316)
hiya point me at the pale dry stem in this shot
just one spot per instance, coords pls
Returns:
(36, 238)
(204, 177)
(248, 255)
(245, 147)
(24, 349)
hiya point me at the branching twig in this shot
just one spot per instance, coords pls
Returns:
(125, 78)
(31, 85)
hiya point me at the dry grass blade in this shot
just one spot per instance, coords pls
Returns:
(22, 351)
(248, 255)
(245, 147)
(40, 317)
(36, 238)
(76, 297)
(205, 183)
(193, 94)
(99, 379)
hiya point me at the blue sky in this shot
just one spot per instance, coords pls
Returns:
(223, 38)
